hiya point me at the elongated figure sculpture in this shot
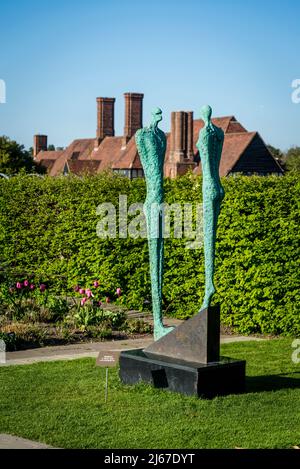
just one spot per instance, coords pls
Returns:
(151, 145)
(210, 144)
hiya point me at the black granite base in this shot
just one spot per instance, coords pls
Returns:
(226, 376)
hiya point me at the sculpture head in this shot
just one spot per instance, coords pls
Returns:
(206, 112)
(156, 115)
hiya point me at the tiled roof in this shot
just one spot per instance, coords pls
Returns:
(47, 163)
(81, 148)
(82, 155)
(48, 155)
(234, 146)
(225, 123)
(107, 152)
(127, 157)
(83, 166)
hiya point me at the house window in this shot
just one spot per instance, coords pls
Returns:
(75, 155)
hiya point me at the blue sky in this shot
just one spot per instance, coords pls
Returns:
(57, 56)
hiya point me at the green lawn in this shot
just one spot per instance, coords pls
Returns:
(62, 404)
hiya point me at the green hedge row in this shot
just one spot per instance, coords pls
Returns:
(48, 229)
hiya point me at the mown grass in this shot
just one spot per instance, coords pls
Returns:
(62, 404)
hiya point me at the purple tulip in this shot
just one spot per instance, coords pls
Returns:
(42, 287)
(19, 285)
(32, 286)
(77, 288)
(118, 291)
(82, 301)
(96, 284)
(88, 293)
(107, 299)
(26, 283)
(99, 303)
(81, 291)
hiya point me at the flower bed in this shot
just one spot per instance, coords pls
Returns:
(32, 316)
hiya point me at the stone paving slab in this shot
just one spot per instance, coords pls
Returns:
(14, 442)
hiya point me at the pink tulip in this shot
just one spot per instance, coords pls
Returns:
(32, 286)
(26, 283)
(107, 299)
(118, 291)
(11, 290)
(83, 300)
(19, 285)
(81, 291)
(88, 293)
(42, 287)
(96, 284)
(99, 303)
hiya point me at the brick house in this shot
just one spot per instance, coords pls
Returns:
(243, 152)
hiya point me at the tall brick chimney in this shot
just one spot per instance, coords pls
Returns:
(181, 156)
(40, 143)
(133, 115)
(181, 136)
(105, 118)
(190, 135)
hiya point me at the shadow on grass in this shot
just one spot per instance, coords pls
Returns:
(273, 382)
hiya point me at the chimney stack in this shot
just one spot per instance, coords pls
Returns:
(105, 118)
(181, 156)
(133, 115)
(181, 136)
(190, 136)
(40, 143)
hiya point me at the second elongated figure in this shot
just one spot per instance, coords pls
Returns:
(210, 146)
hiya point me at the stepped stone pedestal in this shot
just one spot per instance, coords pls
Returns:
(187, 360)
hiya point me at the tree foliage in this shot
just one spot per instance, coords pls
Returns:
(14, 158)
(292, 159)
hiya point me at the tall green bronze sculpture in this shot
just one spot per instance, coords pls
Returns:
(210, 144)
(187, 359)
(151, 145)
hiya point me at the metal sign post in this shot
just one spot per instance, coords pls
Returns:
(106, 385)
(107, 359)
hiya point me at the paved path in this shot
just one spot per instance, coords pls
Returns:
(14, 442)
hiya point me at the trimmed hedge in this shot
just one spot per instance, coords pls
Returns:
(48, 229)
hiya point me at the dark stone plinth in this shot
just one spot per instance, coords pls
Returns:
(226, 376)
(195, 340)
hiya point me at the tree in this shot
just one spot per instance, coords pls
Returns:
(14, 158)
(292, 159)
(277, 153)
(51, 147)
